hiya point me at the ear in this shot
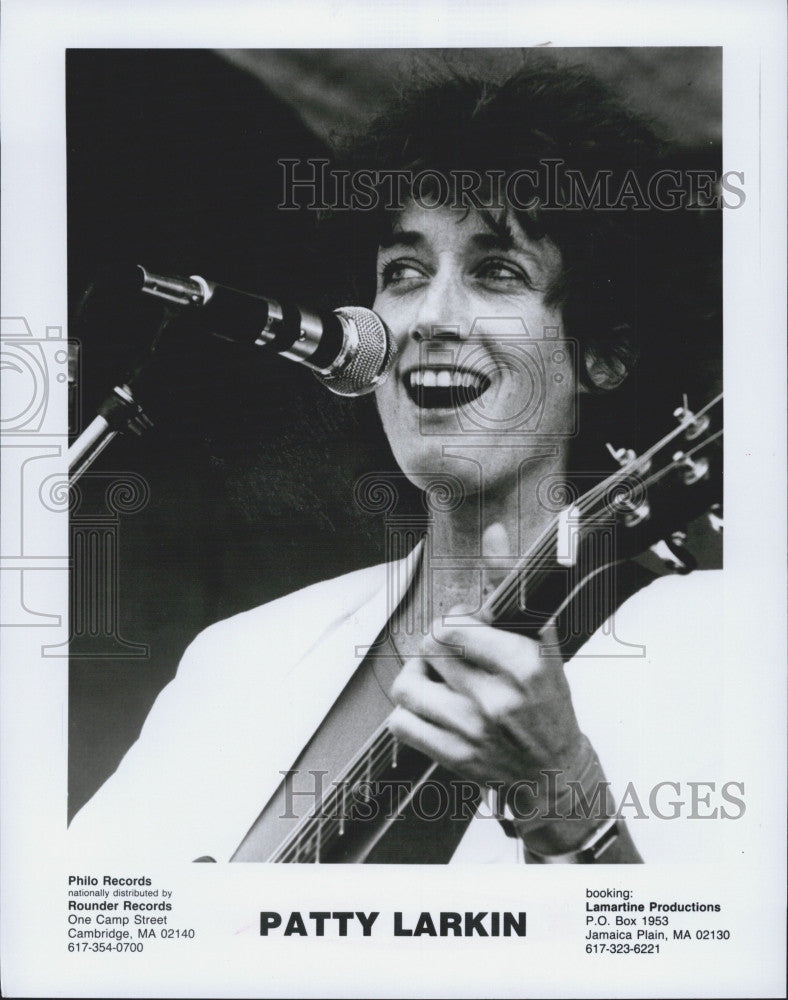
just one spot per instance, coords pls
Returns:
(608, 369)
(605, 374)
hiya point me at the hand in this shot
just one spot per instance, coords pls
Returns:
(502, 711)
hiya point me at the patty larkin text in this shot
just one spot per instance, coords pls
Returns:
(445, 923)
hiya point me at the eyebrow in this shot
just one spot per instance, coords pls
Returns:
(496, 241)
(484, 241)
(401, 238)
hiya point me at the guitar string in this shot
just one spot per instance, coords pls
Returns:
(371, 757)
(380, 745)
(509, 586)
(619, 475)
(332, 825)
(380, 741)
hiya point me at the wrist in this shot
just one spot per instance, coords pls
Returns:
(567, 807)
(610, 844)
(589, 851)
(560, 836)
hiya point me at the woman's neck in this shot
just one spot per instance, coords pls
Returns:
(468, 549)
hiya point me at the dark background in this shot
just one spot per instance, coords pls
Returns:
(172, 164)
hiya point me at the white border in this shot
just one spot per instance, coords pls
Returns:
(35, 34)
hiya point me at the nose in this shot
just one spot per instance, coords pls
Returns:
(442, 310)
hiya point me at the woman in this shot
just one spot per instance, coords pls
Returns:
(523, 259)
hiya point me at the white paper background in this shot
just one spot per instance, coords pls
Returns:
(223, 902)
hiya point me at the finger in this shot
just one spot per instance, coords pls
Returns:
(437, 703)
(549, 646)
(492, 649)
(491, 697)
(447, 748)
(508, 712)
(496, 552)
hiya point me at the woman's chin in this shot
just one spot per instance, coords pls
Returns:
(431, 470)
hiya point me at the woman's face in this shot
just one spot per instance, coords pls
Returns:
(483, 373)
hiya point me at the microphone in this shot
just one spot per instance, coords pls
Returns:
(349, 350)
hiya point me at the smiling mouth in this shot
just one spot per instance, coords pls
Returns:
(444, 388)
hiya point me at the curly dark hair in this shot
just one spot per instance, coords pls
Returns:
(639, 286)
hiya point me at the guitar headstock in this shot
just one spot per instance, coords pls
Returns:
(668, 495)
(648, 510)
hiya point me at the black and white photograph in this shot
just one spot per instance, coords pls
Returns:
(368, 516)
(517, 406)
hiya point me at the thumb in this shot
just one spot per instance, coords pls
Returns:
(496, 552)
(549, 645)
(495, 567)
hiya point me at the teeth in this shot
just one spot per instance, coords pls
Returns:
(445, 378)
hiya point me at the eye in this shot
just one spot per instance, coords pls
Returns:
(503, 272)
(399, 273)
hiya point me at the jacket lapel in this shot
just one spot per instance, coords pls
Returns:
(311, 681)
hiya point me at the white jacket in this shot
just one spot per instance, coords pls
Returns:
(251, 690)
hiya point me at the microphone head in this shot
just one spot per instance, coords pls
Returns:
(366, 357)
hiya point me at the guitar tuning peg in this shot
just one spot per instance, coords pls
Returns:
(673, 555)
(677, 544)
(714, 516)
(693, 425)
(626, 455)
(632, 512)
(691, 471)
(637, 514)
(622, 455)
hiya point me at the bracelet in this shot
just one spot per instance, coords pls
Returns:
(590, 850)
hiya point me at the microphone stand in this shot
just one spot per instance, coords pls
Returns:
(120, 412)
